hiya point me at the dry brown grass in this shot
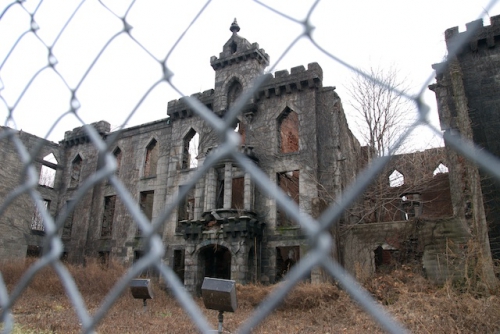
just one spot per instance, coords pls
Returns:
(420, 306)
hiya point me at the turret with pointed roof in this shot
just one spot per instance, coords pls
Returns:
(239, 62)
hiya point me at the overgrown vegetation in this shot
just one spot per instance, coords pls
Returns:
(410, 298)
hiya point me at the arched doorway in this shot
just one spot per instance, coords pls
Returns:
(215, 261)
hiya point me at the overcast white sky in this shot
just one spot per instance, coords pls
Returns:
(363, 33)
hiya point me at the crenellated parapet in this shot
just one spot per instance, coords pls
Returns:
(252, 52)
(79, 135)
(297, 79)
(476, 35)
(179, 109)
(282, 82)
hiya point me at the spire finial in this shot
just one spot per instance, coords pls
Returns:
(234, 27)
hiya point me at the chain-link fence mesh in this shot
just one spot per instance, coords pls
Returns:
(320, 253)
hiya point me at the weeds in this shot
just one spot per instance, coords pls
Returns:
(323, 308)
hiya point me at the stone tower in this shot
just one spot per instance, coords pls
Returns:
(238, 65)
(466, 88)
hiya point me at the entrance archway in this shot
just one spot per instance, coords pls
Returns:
(215, 261)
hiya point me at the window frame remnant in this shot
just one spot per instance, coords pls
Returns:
(288, 131)
(151, 159)
(289, 183)
(108, 216)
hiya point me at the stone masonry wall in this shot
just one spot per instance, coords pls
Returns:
(16, 233)
(468, 102)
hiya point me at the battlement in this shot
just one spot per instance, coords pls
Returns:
(475, 35)
(282, 82)
(296, 80)
(179, 109)
(80, 136)
(253, 52)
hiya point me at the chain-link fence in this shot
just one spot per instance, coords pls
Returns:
(321, 242)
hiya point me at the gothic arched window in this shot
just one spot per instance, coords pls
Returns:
(288, 131)
(151, 160)
(190, 150)
(233, 93)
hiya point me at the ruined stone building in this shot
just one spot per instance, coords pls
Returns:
(293, 129)
(467, 91)
(446, 208)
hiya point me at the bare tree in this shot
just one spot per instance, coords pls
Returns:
(381, 110)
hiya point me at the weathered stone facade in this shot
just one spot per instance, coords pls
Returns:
(466, 88)
(293, 129)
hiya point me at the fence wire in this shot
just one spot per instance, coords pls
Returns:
(321, 243)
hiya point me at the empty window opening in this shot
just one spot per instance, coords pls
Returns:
(146, 200)
(216, 261)
(237, 193)
(108, 216)
(289, 183)
(441, 169)
(234, 47)
(151, 161)
(37, 219)
(68, 223)
(254, 265)
(288, 131)
(117, 153)
(34, 251)
(179, 264)
(219, 189)
(234, 91)
(240, 129)
(186, 205)
(104, 258)
(396, 179)
(76, 170)
(385, 257)
(286, 258)
(48, 171)
(137, 255)
(190, 150)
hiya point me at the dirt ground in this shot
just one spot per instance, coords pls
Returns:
(420, 306)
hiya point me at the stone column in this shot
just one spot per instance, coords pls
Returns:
(198, 199)
(248, 193)
(190, 269)
(228, 184)
(210, 190)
